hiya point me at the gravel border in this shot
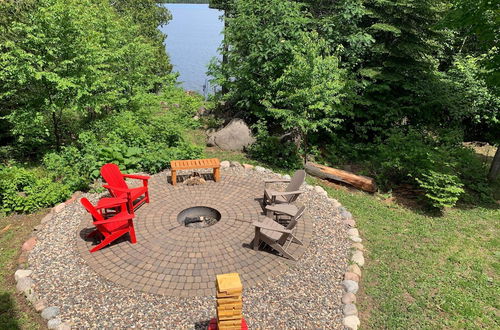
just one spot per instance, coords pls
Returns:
(317, 292)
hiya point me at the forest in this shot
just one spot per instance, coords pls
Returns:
(394, 87)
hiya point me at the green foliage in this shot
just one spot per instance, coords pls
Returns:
(65, 63)
(25, 191)
(144, 141)
(441, 189)
(443, 169)
(274, 152)
(259, 43)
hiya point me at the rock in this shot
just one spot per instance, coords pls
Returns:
(309, 187)
(287, 177)
(29, 244)
(353, 232)
(24, 284)
(358, 246)
(54, 323)
(354, 268)
(23, 258)
(38, 228)
(201, 111)
(351, 322)
(350, 286)
(358, 258)
(46, 218)
(247, 166)
(64, 326)
(50, 312)
(225, 164)
(335, 203)
(31, 296)
(22, 273)
(355, 239)
(320, 190)
(346, 214)
(351, 276)
(235, 136)
(40, 305)
(350, 222)
(260, 169)
(58, 208)
(350, 309)
(348, 298)
(235, 164)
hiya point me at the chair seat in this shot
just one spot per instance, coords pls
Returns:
(274, 235)
(134, 193)
(288, 209)
(116, 225)
(279, 198)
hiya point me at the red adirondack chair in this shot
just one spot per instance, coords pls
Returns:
(114, 227)
(117, 186)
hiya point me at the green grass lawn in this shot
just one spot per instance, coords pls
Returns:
(14, 310)
(423, 271)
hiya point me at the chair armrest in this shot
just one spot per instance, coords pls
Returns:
(286, 193)
(113, 202)
(138, 177)
(116, 218)
(264, 226)
(125, 190)
(275, 181)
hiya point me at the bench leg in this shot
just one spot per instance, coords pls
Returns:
(174, 177)
(217, 174)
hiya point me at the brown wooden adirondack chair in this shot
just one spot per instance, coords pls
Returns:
(117, 186)
(291, 192)
(277, 236)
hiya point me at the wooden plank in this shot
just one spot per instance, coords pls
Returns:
(324, 172)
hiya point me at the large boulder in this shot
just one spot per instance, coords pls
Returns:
(235, 136)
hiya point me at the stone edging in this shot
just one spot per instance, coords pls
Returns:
(350, 283)
(24, 283)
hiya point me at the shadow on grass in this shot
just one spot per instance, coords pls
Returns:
(8, 315)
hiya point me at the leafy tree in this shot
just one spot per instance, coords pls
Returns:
(308, 96)
(65, 63)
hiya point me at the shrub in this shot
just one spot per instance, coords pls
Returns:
(270, 150)
(24, 191)
(443, 169)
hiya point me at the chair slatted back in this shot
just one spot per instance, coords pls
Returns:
(113, 176)
(294, 185)
(291, 225)
(91, 209)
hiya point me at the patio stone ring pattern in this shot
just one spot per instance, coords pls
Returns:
(173, 259)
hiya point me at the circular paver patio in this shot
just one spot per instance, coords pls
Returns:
(175, 260)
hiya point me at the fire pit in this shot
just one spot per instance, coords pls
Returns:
(199, 217)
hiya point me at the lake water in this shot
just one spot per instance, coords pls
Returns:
(193, 37)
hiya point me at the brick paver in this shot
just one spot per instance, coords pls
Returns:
(174, 260)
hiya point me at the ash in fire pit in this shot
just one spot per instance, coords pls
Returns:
(199, 217)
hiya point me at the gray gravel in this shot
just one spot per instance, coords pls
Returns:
(307, 296)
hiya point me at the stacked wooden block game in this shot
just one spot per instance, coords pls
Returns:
(229, 301)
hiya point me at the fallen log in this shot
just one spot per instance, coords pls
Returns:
(324, 172)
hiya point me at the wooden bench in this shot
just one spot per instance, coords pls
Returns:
(176, 165)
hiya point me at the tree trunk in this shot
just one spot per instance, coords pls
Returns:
(57, 134)
(495, 166)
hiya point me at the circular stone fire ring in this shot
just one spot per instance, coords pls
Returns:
(199, 217)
